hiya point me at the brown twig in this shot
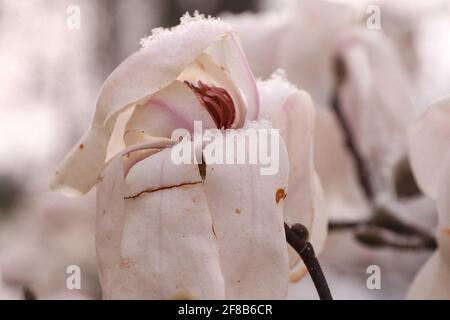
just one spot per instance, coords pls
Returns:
(297, 237)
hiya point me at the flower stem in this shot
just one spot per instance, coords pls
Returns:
(297, 236)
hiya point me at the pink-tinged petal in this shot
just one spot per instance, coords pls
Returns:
(247, 210)
(173, 107)
(292, 112)
(261, 48)
(229, 53)
(165, 55)
(429, 142)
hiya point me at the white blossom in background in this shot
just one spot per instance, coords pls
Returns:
(376, 100)
(429, 143)
(384, 90)
(163, 232)
(48, 233)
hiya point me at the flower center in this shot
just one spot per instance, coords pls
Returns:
(218, 103)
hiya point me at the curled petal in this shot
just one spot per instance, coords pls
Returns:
(165, 55)
(230, 54)
(173, 107)
(247, 210)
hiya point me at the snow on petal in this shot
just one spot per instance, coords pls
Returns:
(164, 56)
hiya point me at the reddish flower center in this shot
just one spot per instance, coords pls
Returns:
(218, 103)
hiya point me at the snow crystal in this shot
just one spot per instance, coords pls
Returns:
(186, 21)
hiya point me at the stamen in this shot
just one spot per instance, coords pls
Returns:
(218, 103)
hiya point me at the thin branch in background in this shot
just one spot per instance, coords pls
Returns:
(376, 237)
(360, 165)
(371, 231)
(297, 237)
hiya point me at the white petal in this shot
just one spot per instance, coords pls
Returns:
(173, 107)
(164, 57)
(429, 142)
(292, 111)
(165, 246)
(229, 53)
(248, 222)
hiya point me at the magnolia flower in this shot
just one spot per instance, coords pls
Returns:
(167, 230)
(374, 96)
(429, 145)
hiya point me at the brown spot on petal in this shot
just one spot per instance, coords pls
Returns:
(182, 295)
(279, 195)
(296, 276)
(126, 263)
(238, 211)
(81, 146)
(447, 231)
